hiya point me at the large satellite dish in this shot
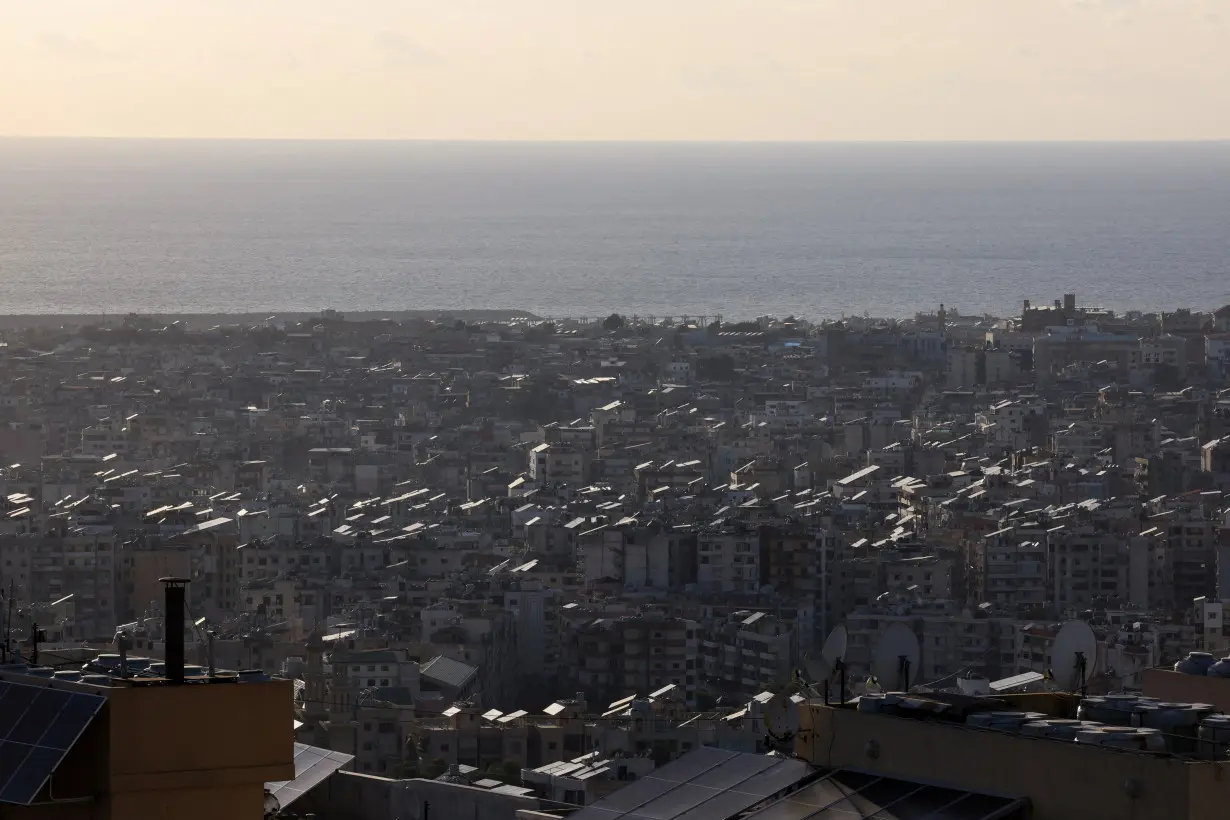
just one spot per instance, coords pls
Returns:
(272, 804)
(781, 716)
(894, 662)
(1073, 655)
(822, 667)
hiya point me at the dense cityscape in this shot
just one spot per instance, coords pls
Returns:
(503, 567)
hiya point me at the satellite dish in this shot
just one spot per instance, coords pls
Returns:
(1073, 655)
(272, 804)
(894, 662)
(821, 668)
(781, 716)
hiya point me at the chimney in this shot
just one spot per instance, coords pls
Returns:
(173, 628)
(1069, 302)
(1027, 306)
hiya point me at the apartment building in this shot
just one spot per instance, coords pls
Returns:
(615, 657)
(729, 560)
(747, 652)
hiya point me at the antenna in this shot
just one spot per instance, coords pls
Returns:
(8, 625)
(1073, 656)
(894, 662)
(208, 635)
(832, 661)
(35, 636)
(123, 642)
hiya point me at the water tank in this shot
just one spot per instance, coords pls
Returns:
(67, 674)
(1196, 663)
(1122, 737)
(1115, 710)
(1055, 728)
(1214, 737)
(1221, 669)
(98, 680)
(41, 671)
(137, 664)
(252, 676)
(1179, 724)
(1003, 721)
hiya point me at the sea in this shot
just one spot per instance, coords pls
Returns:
(587, 229)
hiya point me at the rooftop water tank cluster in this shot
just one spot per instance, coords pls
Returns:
(1057, 728)
(1003, 721)
(1202, 663)
(1036, 724)
(1179, 723)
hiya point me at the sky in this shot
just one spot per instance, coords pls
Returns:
(625, 70)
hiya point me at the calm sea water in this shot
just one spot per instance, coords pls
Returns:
(573, 229)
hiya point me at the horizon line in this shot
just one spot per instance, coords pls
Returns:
(583, 141)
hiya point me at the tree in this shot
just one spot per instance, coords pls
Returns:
(613, 322)
(435, 768)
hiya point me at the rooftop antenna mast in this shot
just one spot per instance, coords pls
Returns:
(832, 661)
(8, 627)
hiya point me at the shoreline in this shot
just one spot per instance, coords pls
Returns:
(201, 321)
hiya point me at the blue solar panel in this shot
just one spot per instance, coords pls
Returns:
(38, 725)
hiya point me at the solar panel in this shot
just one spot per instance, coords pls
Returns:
(846, 795)
(312, 766)
(705, 784)
(38, 725)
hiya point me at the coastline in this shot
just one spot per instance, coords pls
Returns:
(199, 321)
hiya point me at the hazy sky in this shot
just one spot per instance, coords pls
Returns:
(623, 69)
